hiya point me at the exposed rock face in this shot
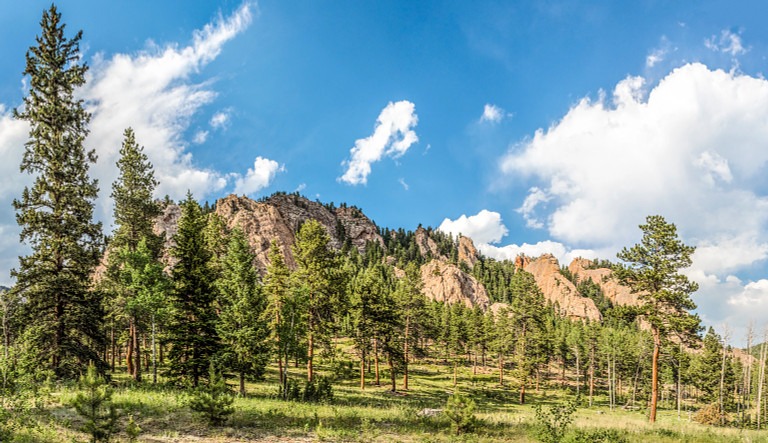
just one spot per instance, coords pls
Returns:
(447, 283)
(167, 224)
(467, 252)
(558, 289)
(280, 216)
(427, 246)
(603, 277)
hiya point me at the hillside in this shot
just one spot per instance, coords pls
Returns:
(448, 266)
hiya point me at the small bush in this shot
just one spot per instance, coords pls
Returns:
(318, 390)
(710, 415)
(343, 370)
(461, 411)
(214, 401)
(553, 423)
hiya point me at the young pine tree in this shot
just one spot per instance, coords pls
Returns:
(242, 325)
(56, 213)
(192, 328)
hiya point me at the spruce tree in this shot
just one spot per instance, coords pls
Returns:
(283, 317)
(242, 325)
(135, 212)
(526, 312)
(651, 269)
(56, 213)
(319, 278)
(192, 329)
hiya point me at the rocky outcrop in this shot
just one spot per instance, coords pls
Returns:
(427, 246)
(280, 216)
(615, 292)
(467, 252)
(167, 224)
(447, 283)
(559, 290)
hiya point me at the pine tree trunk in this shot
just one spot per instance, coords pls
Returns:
(137, 351)
(591, 375)
(501, 370)
(455, 370)
(522, 391)
(114, 347)
(129, 351)
(760, 382)
(242, 383)
(578, 376)
(154, 353)
(376, 360)
(405, 352)
(655, 375)
(392, 373)
(362, 373)
(310, 351)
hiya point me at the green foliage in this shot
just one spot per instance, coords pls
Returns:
(318, 390)
(214, 400)
(132, 429)
(192, 327)
(94, 404)
(242, 326)
(461, 411)
(598, 435)
(62, 314)
(553, 422)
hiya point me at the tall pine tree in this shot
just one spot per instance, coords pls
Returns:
(651, 269)
(135, 212)
(192, 328)
(56, 213)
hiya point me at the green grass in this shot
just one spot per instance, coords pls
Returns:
(373, 415)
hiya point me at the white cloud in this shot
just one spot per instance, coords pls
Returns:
(656, 56)
(528, 208)
(151, 91)
(484, 227)
(492, 114)
(258, 177)
(727, 43)
(392, 137)
(403, 184)
(220, 119)
(689, 151)
(563, 254)
(200, 137)
(301, 187)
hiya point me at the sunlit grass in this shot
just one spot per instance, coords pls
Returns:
(372, 415)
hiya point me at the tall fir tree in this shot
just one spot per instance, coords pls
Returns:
(56, 213)
(652, 270)
(134, 212)
(318, 278)
(282, 313)
(242, 325)
(526, 312)
(192, 328)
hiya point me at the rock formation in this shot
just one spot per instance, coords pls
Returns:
(427, 246)
(557, 289)
(280, 216)
(447, 283)
(467, 252)
(603, 277)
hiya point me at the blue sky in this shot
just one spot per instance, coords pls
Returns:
(531, 127)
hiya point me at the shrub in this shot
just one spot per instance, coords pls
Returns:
(214, 400)
(710, 415)
(461, 411)
(318, 390)
(343, 370)
(553, 423)
(94, 404)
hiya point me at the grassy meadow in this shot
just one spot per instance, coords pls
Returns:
(372, 415)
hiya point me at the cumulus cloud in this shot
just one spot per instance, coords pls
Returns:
(727, 42)
(688, 149)
(258, 177)
(492, 114)
(484, 227)
(691, 148)
(392, 136)
(528, 208)
(200, 137)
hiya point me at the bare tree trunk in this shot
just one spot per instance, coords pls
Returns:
(137, 350)
(242, 383)
(129, 350)
(655, 375)
(114, 347)
(362, 372)
(392, 373)
(591, 374)
(679, 382)
(154, 352)
(376, 360)
(720, 399)
(761, 378)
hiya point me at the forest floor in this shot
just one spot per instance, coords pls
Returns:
(372, 415)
